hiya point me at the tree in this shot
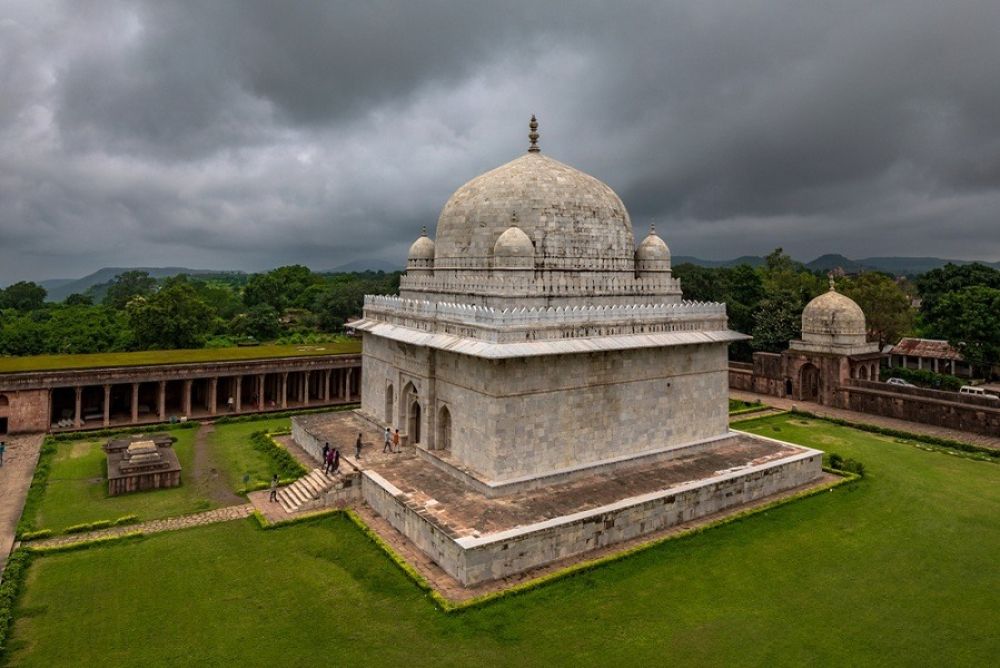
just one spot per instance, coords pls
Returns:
(127, 286)
(23, 296)
(972, 325)
(260, 323)
(777, 321)
(952, 277)
(174, 317)
(77, 299)
(886, 306)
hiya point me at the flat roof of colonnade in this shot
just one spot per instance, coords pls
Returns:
(33, 363)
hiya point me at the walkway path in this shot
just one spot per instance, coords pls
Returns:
(866, 418)
(206, 474)
(153, 526)
(15, 477)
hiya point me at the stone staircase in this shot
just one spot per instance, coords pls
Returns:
(302, 493)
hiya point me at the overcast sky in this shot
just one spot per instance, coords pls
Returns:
(245, 135)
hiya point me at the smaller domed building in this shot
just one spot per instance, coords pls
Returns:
(834, 347)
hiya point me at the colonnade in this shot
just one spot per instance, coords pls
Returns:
(112, 404)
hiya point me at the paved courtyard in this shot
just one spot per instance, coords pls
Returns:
(15, 477)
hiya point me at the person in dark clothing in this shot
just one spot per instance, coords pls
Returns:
(274, 488)
(326, 451)
(336, 460)
(329, 461)
(357, 447)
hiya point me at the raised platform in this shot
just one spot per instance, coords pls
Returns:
(475, 538)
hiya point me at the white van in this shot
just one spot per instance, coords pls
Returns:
(977, 392)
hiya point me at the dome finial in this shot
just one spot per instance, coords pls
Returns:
(513, 218)
(833, 288)
(533, 135)
(652, 229)
(423, 230)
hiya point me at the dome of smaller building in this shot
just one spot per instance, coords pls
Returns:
(833, 315)
(514, 243)
(652, 247)
(422, 248)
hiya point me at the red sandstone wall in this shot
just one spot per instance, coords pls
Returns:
(27, 412)
(925, 409)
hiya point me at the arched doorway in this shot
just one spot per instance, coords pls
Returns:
(4, 408)
(413, 428)
(390, 401)
(809, 383)
(444, 429)
(864, 372)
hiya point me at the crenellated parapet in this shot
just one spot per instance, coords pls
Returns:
(506, 325)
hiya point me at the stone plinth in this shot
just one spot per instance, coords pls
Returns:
(140, 463)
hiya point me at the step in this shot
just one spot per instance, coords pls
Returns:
(297, 494)
(289, 508)
(315, 482)
(307, 484)
(321, 479)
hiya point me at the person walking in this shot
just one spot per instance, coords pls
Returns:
(329, 461)
(395, 441)
(274, 488)
(336, 460)
(357, 447)
(326, 451)
(388, 441)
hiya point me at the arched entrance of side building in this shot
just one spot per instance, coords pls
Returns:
(443, 441)
(413, 428)
(809, 383)
(4, 410)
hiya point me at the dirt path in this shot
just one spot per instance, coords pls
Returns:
(206, 475)
(19, 462)
(867, 418)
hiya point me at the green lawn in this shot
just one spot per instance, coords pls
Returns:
(55, 362)
(897, 569)
(76, 491)
(230, 444)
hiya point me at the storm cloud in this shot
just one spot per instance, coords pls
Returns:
(247, 134)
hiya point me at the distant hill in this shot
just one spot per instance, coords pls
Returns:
(899, 266)
(60, 288)
(365, 265)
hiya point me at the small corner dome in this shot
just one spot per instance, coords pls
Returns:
(422, 248)
(514, 243)
(652, 248)
(833, 314)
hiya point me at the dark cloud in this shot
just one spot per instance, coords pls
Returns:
(247, 134)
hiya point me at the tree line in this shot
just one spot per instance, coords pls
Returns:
(958, 303)
(135, 311)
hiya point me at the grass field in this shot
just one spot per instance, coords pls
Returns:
(76, 491)
(231, 450)
(152, 357)
(897, 569)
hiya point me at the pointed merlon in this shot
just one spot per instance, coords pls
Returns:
(533, 135)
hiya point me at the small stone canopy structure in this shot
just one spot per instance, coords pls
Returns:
(141, 463)
(833, 348)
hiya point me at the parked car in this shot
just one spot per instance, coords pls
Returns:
(900, 382)
(977, 392)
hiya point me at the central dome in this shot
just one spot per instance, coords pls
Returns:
(833, 316)
(573, 219)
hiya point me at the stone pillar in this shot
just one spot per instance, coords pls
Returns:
(920, 363)
(213, 394)
(78, 415)
(284, 389)
(135, 402)
(347, 384)
(239, 393)
(107, 406)
(187, 397)
(260, 392)
(305, 388)
(345, 388)
(326, 386)
(161, 400)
